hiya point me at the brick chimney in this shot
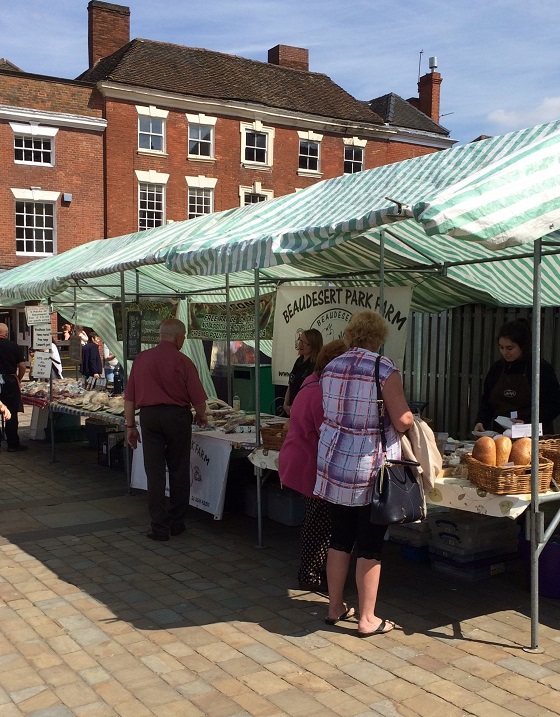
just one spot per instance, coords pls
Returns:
(108, 29)
(428, 94)
(287, 56)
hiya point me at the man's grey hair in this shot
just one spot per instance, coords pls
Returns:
(172, 327)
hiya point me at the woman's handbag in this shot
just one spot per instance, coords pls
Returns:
(398, 494)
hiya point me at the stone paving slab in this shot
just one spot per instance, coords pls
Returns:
(98, 621)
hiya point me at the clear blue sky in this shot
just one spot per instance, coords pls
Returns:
(499, 59)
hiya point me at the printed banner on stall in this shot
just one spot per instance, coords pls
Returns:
(209, 471)
(208, 321)
(152, 313)
(329, 310)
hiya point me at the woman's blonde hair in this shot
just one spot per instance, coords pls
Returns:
(366, 330)
(329, 352)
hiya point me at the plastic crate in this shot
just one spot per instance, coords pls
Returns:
(418, 554)
(285, 506)
(475, 570)
(117, 455)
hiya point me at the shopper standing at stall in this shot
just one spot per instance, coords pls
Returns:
(164, 384)
(297, 468)
(12, 370)
(91, 366)
(308, 346)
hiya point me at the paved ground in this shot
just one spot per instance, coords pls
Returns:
(96, 620)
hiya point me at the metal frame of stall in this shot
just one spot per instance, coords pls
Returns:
(538, 535)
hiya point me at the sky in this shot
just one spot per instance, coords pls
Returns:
(499, 59)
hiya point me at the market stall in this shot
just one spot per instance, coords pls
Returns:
(343, 231)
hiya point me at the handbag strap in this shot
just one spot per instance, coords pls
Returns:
(380, 406)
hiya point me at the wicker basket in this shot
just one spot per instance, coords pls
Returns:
(272, 437)
(511, 480)
(550, 448)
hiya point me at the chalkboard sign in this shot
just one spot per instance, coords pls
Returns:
(134, 322)
(75, 349)
(152, 314)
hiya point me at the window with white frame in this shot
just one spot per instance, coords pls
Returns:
(151, 129)
(256, 144)
(151, 205)
(309, 161)
(201, 201)
(254, 194)
(35, 227)
(200, 195)
(354, 154)
(201, 136)
(151, 198)
(33, 143)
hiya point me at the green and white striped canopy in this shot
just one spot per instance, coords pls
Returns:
(512, 201)
(330, 231)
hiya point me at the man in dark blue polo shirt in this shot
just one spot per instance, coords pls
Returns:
(12, 370)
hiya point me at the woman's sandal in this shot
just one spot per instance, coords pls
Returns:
(380, 630)
(346, 615)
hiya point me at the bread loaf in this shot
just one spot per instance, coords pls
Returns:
(503, 449)
(484, 450)
(521, 452)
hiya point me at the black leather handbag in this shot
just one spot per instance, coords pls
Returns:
(398, 495)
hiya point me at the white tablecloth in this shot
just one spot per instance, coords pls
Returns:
(448, 492)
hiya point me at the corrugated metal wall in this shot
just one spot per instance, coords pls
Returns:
(448, 354)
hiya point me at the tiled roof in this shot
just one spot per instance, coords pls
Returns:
(400, 113)
(7, 65)
(205, 73)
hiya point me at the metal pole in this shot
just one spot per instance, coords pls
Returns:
(535, 517)
(228, 344)
(382, 276)
(51, 412)
(258, 471)
(126, 452)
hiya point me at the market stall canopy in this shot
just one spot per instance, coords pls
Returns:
(331, 230)
(514, 200)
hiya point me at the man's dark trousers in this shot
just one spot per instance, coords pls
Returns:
(166, 440)
(11, 397)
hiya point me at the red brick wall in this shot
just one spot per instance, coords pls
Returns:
(282, 178)
(78, 166)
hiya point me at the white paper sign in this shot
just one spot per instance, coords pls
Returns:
(209, 470)
(42, 336)
(329, 309)
(42, 364)
(37, 315)
(523, 430)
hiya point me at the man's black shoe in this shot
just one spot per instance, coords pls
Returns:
(13, 449)
(177, 529)
(157, 536)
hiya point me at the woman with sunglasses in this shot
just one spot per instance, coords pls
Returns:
(309, 344)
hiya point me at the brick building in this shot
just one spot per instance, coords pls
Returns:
(154, 132)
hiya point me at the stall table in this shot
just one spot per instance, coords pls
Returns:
(448, 492)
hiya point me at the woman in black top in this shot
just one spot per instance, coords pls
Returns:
(309, 344)
(507, 386)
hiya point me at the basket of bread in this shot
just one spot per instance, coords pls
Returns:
(550, 448)
(272, 436)
(503, 467)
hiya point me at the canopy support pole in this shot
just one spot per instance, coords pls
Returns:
(536, 518)
(228, 346)
(126, 452)
(258, 471)
(51, 412)
(382, 276)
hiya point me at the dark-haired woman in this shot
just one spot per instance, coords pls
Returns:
(507, 386)
(309, 344)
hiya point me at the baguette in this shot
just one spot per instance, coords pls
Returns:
(484, 450)
(503, 450)
(521, 452)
